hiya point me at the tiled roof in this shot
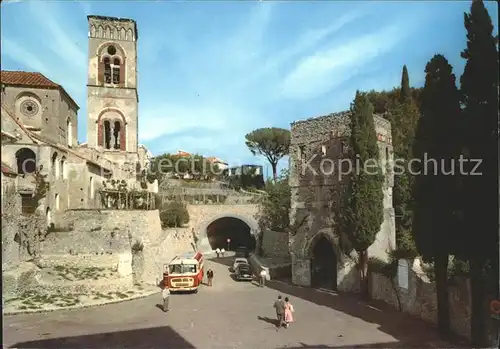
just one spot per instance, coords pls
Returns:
(26, 78)
(7, 169)
(32, 79)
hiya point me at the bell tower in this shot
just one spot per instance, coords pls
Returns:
(112, 99)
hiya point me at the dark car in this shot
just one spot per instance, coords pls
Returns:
(244, 272)
(241, 252)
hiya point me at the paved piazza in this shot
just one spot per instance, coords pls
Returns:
(229, 315)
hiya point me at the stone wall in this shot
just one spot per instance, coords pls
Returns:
(275, 244)
(11, 206)
(20, 232)
(316, 149)
(420, 298)
(103, 232)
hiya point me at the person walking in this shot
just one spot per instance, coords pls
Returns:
(222, 251)
(165, 294)
(279, 306)
(217, 251)
(210, 277)
(262, 278)
(288, 312)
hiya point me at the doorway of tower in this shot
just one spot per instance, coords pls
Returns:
(323, 265)
(231, 229)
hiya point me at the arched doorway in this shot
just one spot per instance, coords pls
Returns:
(231, 228)
(26, 161)
(323, 264)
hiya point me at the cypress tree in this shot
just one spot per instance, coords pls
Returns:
(405, 86)
(479, 87)
(364, 196)
(404, 117)
(435, 188)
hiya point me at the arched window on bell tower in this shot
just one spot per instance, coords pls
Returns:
(116, 135)
(112, 65)
(111, 130)
(107, 70)
(116, 71)
(107, 134)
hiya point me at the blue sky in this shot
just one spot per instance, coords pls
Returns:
(210, 72)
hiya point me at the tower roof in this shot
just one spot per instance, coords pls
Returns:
(116, 19)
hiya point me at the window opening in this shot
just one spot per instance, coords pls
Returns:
(107, 134)
(116, 134)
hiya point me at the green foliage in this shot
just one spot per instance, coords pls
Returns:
(137, 247)
(158, 201)
(479, 87)
(388, 269)
(404, 115)
(174, 214)
(456, 268)
(42, 186)
(363, 210)
(405, 93)
(406, 248)
(383, 101)
(435, 192)
(271, 142)
(196, 165)
(434, 212)
(274, 208)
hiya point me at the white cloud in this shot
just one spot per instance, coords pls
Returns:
(175, 119)
(308, 40)
(311, 38)
(217, 106)
(328, 68)
(7, 2)
(62, 43)
(21, 55)
(246, 44)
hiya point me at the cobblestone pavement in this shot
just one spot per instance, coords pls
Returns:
(229, 315)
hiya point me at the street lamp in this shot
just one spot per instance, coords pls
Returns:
(228, 242)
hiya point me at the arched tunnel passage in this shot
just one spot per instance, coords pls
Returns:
(222, 229)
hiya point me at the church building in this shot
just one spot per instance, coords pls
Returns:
(39, 127)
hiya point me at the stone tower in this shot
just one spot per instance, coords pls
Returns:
(112, 99)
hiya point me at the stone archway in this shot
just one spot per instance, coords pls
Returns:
(324, 258)
(241, 230)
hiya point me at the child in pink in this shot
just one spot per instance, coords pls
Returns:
(288, 312)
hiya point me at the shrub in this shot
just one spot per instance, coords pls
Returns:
(158, 201)
(137, 246)
(174, 214)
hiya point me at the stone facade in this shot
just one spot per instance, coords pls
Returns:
(40, 128)
(54, 114)
(322, 142)
(113, 99)
(275, 244)
(106, 236)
